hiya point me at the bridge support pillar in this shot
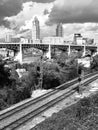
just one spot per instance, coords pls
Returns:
(69, 50)
(7, 53)
(20, 53)
(84, 50)
(14, 53)
(97, 49)
(49, 51)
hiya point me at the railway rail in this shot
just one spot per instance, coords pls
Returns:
(14, 117)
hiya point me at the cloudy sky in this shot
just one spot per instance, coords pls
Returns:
(77, 16)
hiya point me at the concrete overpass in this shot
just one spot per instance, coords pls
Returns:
(18, 47)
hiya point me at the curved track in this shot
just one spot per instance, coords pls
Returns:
(14, 118)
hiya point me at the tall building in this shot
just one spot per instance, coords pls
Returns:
(59, 30)
(35, 29)
(8, 37)
(78, 39)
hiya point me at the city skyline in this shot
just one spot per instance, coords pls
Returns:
(35, 34)
(79, 16)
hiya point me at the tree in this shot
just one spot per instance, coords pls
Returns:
(52, 75)
(61, 59)
(3, 104)
(4, 75)
(94, 63)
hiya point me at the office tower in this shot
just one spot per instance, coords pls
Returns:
(78, 39)
(8, 37)
(59, 30)
(35, 29)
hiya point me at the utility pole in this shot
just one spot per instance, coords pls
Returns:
(80, 72)
(40, 73)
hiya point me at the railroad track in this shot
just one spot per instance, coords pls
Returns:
(15, 117)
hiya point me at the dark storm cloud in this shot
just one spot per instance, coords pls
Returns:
(46, 12)
(41, 1)
(70, 11)
(9, 8)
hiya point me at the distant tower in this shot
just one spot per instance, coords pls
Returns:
(77, 38)
(8, 37)
(35, 29)
(59, 30)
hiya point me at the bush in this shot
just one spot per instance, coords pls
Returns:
(83, 108)
(72, 72)
(54, 75)
(95, 100)
(51, 80)
(85, 102)
(3, 104)
(4, 75)
(51, 75)
(94, 63)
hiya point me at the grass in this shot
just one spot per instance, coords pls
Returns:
(80, 116)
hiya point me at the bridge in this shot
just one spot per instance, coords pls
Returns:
(19, 47)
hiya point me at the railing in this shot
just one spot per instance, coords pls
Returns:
(46, 43)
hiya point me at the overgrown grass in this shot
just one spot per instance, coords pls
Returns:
(81, 116)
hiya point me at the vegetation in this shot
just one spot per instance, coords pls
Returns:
(80, 116)
(52, 76)
(14, 89)
(94, 63)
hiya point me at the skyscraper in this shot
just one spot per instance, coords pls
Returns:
(35, 29)
(77, 38)
(59, 30)
(8, 37)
